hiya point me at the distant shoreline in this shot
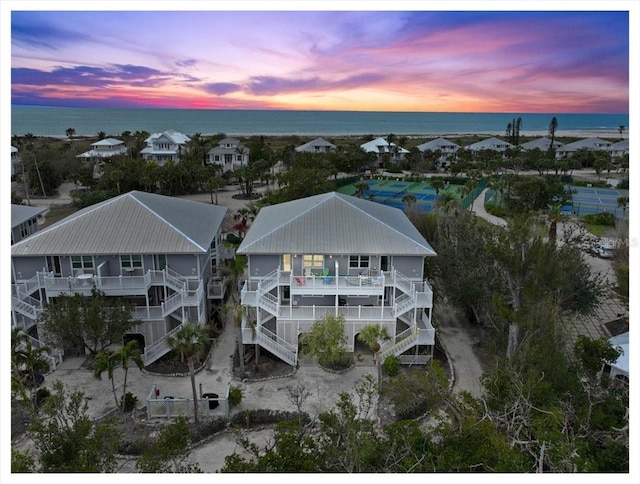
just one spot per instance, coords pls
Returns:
(587, 133)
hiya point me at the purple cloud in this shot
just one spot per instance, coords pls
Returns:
(271, 85)
(221, 88)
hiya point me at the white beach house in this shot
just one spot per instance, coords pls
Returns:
(339, 255)
(229, 155)
(166, 146)
(102, 151)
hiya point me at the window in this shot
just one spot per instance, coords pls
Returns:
(286, 262)
(239, 158)
(228, 158)
(82, 261)
(313, 261)
(359, 261)
(130, 261)
(216, 157)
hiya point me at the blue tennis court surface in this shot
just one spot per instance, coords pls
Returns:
(590, 200)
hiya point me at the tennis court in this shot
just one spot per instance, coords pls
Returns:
(590, 200)
(391, 192)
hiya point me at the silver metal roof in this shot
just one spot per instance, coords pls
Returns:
(22, 213)
(333, 223)
(133, 223)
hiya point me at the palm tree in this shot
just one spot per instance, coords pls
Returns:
(190, 342)
(233, 307)
(446, 202)
(106, 361)
(437, 184)
(129, 352)
(554, 216)
(32, 360)
(361, 187)
(70, 132)
(621, 129)
(410, 200)
(102, 135)
(623, 203)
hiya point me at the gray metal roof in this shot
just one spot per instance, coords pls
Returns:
(311, 145)
(22, 213)
(333, 223)
(436, 144)
(133, 223)
(540, 143)
(589, 143)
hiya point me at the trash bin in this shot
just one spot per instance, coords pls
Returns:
(212, 403)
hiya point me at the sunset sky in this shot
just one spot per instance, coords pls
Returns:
(459, 61)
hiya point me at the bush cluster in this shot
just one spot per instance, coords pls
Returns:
(250, 418)
(496, 210)
(391, 365)
(602, 218)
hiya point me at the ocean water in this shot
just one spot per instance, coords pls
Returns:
(54, 121)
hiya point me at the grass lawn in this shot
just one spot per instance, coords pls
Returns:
(597, 230)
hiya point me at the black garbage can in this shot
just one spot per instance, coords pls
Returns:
(212, 403)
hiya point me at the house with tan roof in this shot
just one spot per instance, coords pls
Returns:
(339, 255)
(159, 253)
(447, 149)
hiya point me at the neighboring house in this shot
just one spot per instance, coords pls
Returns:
(102, 151)
(620, 148)
(495, 144)
(15, 159)
(24, 221)
(381, 147)
(163, 147)
(339, 255)
(229, 154)
(318, 145)
(448, 150)
(160, 253)
(594, 144)
(540, 143)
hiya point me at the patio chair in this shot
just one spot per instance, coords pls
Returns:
(300, 281)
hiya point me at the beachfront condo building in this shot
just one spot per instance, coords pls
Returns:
(447, 150)
(333, 254)
(382, 147)
(229, 155)
(167, 146)
(161, 254)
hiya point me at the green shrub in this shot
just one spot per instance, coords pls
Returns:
(602, 218)
(496, 210)
(41, 395)
(233, 239)
(249, 418)
(623, 184)
(130, 401)
(391, 365)
(235, 396)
